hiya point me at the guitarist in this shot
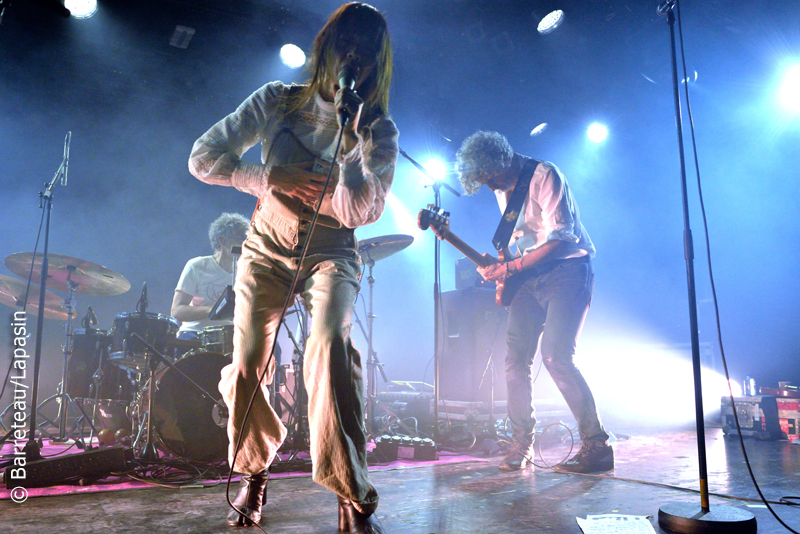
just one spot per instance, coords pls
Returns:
(555, 269)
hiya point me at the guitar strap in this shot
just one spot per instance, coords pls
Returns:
(509, 220)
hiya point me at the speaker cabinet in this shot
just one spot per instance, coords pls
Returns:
(474, 329)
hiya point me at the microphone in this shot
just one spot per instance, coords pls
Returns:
(665, 7)
(141, 306)
(67, 141)
(347, 78)
(92, 316)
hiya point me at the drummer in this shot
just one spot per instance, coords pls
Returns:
(205, 278)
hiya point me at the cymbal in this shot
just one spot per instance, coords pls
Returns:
(12, 291)
(88, 278)
(378, 248)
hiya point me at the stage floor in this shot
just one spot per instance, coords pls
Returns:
(471, 497)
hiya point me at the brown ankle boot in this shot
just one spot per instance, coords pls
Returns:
(356, 522)
(251, 496)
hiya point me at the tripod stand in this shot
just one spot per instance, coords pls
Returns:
(372, 250)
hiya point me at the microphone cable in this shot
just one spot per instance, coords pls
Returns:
(287, 302)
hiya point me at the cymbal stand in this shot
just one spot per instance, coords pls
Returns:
(63, 394)
(489, 368)
(97, 378)
(298, 414)
(373, 364)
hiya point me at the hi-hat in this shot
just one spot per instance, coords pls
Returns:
(12, 294)
(87, 278)
(378, 248)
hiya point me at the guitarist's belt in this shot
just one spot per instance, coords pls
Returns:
(538, 270)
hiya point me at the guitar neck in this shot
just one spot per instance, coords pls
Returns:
(468, 251)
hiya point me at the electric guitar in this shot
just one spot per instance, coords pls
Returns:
(438, 220)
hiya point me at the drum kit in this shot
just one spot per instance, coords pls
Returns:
(138, 382)
(107, 376)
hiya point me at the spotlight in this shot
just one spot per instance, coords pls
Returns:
(539, 129)
(436, 169)
(81, 9)
(550, 22)
(790, 89)
(597, 133)
(292, 56)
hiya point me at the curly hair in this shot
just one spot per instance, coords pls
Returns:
(227, 225)
(482, 156)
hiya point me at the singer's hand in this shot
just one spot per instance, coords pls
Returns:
(348, 100)
(297, 181)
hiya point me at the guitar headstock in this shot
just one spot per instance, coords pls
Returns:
(437, 219)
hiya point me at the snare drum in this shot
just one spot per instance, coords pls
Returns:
(218, 338)
(127, 350)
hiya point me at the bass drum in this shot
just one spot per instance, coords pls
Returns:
(186, 423)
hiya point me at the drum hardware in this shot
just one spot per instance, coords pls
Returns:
(63, 397)
(297, 420)
(75, 276)
(372, 250)
(112, 412)
(217, 338)
(129, 353)
(219, 410)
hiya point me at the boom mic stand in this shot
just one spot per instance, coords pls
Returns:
(32, 449)
(437, 203)
(685, 517)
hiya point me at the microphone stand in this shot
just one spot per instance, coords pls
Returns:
(32, 449)
(437, 203)
(685, 517)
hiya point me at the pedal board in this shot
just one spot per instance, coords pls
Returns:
(69, 469)
(391, 448)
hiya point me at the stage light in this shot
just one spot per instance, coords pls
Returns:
(539, 129)
(292, 56)
(597, 133)
(658, 376)
(435, 168)
(81, 9)
(790, 89)
(550, 22)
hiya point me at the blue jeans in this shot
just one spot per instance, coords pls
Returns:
(551, 305)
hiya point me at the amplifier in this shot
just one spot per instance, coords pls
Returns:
(93, 464)
(405, 404)
(789, 416)
(758, 416)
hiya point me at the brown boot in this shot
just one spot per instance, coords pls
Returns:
(251, 496)
(356, 522)
(343, 526)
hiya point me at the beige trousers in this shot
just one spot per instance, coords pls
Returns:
(329, 284)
